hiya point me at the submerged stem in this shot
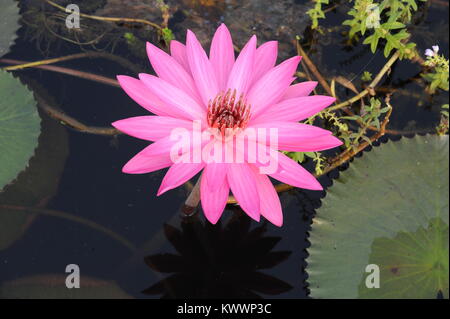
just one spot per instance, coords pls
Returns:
(76, 73)
(371, 86)
(77, 219)
(73, 123)
(192, 200)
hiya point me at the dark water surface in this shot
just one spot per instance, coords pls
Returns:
(236, 258)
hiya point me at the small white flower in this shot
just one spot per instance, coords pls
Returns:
(373, 19)
(432, 52)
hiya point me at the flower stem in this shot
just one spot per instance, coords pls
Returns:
(191, 203)
(371, 86)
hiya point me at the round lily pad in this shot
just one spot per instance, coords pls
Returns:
(19, 127)
(9, 24)
(382, 230)
(36, 185)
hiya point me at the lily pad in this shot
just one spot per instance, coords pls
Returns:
(389, 209)
(36, 184)
(411, 258)
(9, 24)
(54, 287)
(19, 127)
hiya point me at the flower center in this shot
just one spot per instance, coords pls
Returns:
(227, 114)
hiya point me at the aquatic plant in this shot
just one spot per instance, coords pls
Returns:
(378, 22)
(231, 99)
(437, 75)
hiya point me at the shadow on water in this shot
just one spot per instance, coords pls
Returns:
(185, 258)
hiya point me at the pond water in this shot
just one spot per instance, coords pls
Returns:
(235, 258)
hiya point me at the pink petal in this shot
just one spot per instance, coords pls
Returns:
(216, 175)
(168, 69)
(201, 68)
(143, 96)
(272, 86)
(180, 149)
(269, 200)
(179, 102)
(243, 187)
(178, 52)
(151, 128)
(242, 72)
(160, 147)
(221, 55)
(300, 90)
(313, 144)
(290, 172)
(141, 163)
(295, 109)
(213, 201)
(265, 59)
(298, 137)
(178, 174)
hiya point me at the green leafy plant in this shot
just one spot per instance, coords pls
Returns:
(301, 157)
(366, 77)
(386, 20)
(370, 116)
(317, 13)
(167, 35)
(437, 75)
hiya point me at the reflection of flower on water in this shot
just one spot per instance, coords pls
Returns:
(218, 261)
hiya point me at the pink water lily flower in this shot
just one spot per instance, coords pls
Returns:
(232, 96)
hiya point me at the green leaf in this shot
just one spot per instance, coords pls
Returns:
(392, 25)
(54, 287)
(9, 24)
(167, 35)
(36, 185)
(373, 40)
(396, 195)
(19, 127)
(409, 259)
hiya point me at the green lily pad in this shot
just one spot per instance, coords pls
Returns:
(409, 259)
(388, 209)
(9, 24)
(19, 127)
(54, 287)
(36, 184)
